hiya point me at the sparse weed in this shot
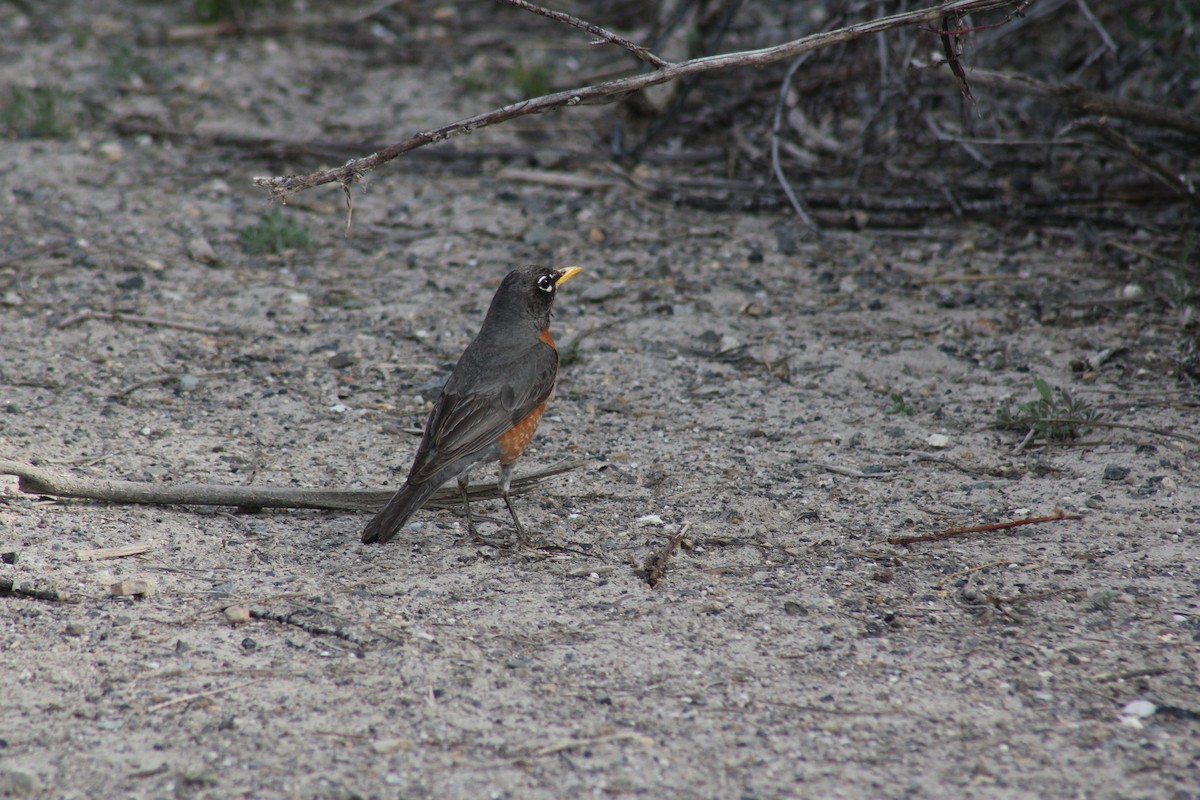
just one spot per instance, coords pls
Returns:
(1046, 418)
(1183, 292)
(531, 80)
(899, 405)
(127, 66)
(274, 234)
(43, 112)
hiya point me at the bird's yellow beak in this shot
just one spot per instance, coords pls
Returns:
(565, 274)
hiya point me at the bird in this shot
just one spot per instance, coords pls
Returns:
(490, 407)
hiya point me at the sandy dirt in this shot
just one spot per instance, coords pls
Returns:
(732, 382)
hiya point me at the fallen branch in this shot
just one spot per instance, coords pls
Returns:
(11, 586)
(120, 316)
(656, 566)
(1128, 426)
(187, 698)
(313, 628)
(1058, 514)
(35, 480)
(351, 171)
(121, 551)
(1092, 103)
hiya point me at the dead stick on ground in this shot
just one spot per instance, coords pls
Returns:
(351, 171)
(1128, 426)
(1088, 102)
(314, 628)
(955, 575)
(122, 551)
(10, 586)
(1058, 514)
(656, 569)
(187, 698)
(35, 480)
(120, 316)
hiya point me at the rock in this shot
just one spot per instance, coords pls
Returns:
(938, 440)
(132, 283)
(236, 615)
(133, 587)
(1133, 712)
(201, 251)
(16, 783)
(1115, 472)
(342, 359)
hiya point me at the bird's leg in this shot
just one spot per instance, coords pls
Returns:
(463, 481)
(506, 471)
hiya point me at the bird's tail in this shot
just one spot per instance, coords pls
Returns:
(391, 518)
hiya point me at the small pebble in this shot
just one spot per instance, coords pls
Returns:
(200, 250)
(1138, 708)
(133, 587)
(938, 440)
(18, 783)
(1133, 712)
(650, 519)
(1115, 472)
(236, 615)
(342, 359)
(792, 608)
(113, 151)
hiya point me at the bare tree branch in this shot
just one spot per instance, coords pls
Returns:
(35, 480)
(352, 170)
(605, 35)
(792, 197)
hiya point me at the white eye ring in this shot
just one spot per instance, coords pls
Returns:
(546, 283)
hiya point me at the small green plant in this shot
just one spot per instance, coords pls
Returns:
(43, 112)
(127, 66)
(1046, 417)
(224, 10)
(274, 234)
(1182, 291)
(531, 80)
(899, 405)
(1101, 599)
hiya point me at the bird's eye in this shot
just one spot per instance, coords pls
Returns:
(546, 283)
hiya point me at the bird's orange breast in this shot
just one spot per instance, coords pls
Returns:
(518, 437)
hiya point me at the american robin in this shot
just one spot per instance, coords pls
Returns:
(491, 405)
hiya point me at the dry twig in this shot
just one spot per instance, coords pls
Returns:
(656, 567)
(34, 480)
(351, 171)
(1058, 514)
(121, 316)
(12, 586)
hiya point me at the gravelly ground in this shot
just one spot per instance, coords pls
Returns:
(721, 386)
